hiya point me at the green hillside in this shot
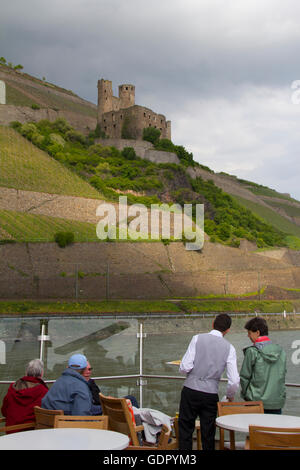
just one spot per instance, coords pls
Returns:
(57, 159)
(24, 166)
(24, 227)
(272, 217)
(114, 172)
(25, 90)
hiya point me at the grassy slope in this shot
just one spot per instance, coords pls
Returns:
(24, 166)
(24, 227)
(28, 307)
(44, 96)
(270, 216)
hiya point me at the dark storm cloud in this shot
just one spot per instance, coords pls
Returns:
(220, 70)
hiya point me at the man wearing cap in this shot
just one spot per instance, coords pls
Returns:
(70, 392)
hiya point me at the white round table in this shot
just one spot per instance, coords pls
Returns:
(241, 422)
(64, 439)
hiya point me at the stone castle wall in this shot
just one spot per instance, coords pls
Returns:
(117, 116)
(142, 148)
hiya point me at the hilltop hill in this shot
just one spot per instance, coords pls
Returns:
(29, 98)
(253, 212)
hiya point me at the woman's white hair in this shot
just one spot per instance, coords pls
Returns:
(35, 368)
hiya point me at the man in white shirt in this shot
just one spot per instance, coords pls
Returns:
(204, 362)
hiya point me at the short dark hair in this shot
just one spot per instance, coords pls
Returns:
(257, 324)
(222, 322)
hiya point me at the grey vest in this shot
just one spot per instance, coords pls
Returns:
(209, 363)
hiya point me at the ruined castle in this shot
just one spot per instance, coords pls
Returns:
(119, 117)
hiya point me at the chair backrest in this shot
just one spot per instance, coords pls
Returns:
(264, 438)
(119, 417)
(15, 427)
(90, 422)
(231, 407)
(45, 418)
(236, 407)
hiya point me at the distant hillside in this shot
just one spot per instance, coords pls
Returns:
(26, 90)
(55, 158)
(113, 172)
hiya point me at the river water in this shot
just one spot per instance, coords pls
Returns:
(113, 349)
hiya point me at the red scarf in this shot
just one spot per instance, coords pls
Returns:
(262, 338)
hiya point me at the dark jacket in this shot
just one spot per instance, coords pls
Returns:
(69, 393)
(21, 398)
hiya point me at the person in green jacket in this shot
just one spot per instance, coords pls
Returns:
(262, 376)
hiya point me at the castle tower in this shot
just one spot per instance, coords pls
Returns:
(126, 96)
(105, 97)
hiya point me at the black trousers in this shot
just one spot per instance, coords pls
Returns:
(194, 404)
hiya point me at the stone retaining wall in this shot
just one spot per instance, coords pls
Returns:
(132, 271)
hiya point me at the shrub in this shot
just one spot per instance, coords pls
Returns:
(57, 139)
(151, 134)
(166, 145)
(28, 129)
(224, 231)
(16, 125)
(75, 136)
(35, 106)
(129, 153)
(61, 125)
(64, 238)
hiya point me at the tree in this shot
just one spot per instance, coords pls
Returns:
(151, 134)
(2, 60)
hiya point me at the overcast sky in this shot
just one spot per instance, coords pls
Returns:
(221, 71)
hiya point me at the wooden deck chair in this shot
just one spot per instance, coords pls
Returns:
(119, 417)
(15, 427)
(230, 408)
(120, 420)
(45, 418)
(163, 442)
(90, 422)
(264, 438)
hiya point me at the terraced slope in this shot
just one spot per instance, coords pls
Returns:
(24, 227)
(26, 90)
(24, 166)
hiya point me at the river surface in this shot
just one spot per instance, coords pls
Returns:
(113, 349)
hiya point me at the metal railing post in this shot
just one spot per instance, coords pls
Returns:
(141, 381)
(141, 364)
(42, 338)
